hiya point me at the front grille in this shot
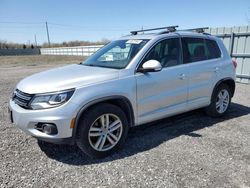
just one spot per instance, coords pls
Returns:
(22, 99)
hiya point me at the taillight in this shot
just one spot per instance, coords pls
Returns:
(234, 63)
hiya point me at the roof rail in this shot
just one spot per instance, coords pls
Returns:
(198, 30)
(169, 29)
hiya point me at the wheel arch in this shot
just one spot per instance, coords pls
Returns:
(120, 101)
(228, 81)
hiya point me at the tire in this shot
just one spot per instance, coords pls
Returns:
(218, 107)
(94, 137)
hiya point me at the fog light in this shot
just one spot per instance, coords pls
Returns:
(48, 128)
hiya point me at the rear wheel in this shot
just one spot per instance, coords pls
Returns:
(102, 130)
(220, 101)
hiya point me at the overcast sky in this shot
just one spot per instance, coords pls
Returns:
(93, 20)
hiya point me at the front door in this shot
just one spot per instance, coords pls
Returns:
(163, 93)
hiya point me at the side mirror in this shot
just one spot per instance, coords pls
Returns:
(150, 66)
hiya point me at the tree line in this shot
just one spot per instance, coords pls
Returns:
(12, 45)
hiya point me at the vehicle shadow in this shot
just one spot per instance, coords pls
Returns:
(146, 137)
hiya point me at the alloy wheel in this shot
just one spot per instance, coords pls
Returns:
(105, 132)
(222, 101)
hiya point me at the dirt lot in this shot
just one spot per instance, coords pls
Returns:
(188, 150)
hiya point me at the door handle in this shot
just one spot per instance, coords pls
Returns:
(216, 69)
(182, 76)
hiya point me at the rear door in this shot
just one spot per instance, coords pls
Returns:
(203, 57)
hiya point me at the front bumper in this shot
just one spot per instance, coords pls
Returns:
(61, 116)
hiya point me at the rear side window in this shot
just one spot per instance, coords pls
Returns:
(213, 49)
(194, 49)
(198, 49)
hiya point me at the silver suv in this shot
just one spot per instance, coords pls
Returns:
(131, 81)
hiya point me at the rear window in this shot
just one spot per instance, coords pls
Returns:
(213, 49)
(198, 49)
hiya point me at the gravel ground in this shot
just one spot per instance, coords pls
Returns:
(188, 150)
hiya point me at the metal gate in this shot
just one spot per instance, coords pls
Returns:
(237, 42)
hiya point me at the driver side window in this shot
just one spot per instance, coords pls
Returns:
(167, 52)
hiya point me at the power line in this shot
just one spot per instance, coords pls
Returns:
(85, 26)
(20, 27)
(66, 25)
(22, 22)
(88, 29)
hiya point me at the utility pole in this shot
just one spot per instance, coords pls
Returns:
(47, 33)
(35, 41)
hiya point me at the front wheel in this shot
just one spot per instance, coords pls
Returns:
(220, 101)
(102, 130)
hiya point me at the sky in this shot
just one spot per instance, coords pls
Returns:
(93, 20)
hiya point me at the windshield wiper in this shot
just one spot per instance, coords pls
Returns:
(108, 67)
(90, 65)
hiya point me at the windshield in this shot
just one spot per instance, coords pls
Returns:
(116, 54)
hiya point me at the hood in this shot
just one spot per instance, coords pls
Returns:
(66, 77)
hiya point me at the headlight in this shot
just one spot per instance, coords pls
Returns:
(43, 101)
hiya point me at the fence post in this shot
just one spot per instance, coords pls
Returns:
(231, 45)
